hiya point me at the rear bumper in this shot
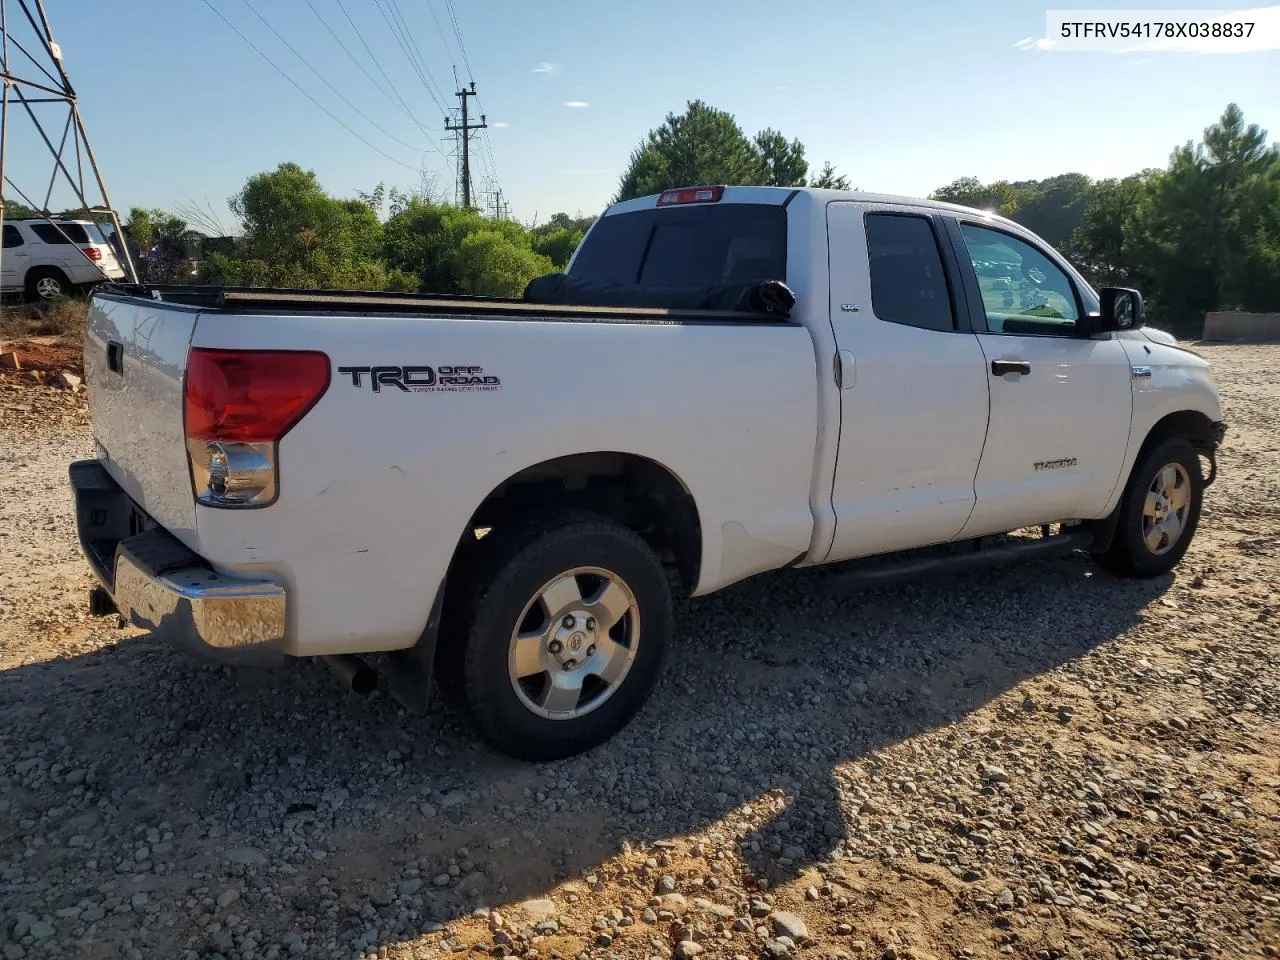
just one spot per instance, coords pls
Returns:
(160, 585)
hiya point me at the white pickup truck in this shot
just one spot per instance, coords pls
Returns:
(505, 494)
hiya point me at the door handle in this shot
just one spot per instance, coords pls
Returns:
(115, 356)
(846, 369)
(1000, 367)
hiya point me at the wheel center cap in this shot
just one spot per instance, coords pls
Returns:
(572, 644)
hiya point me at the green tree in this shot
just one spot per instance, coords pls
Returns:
(437, 245)
(829, 179)
(492, 263)
(1052, 208)
(562, 221)
(1201, 235)
(1099, 245)
(557, 245)
(423, 239)
(1000, 196)
(145, 226)
(296, 235)
(701, 145)
(783, 160)
(17, 210)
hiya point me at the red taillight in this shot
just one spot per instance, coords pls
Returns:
(251, 396)
(93, 253)
(670, 198)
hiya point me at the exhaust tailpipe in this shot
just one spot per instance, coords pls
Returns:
(353, 671)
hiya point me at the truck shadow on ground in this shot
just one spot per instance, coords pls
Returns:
(134, 770)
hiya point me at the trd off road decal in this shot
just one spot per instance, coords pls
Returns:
(421, 379)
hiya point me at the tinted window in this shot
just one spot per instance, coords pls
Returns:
(50, 234)
(692, 246)
(1023, 291)
(12, 238)
(907, 282)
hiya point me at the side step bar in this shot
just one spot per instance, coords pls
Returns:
(888, 574)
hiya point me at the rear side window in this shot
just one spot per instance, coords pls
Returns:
(75, 233)
(12, 238)
(908, 285)
(701, 246)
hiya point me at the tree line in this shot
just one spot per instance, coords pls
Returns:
(1201, 234)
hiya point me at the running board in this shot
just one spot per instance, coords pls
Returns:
(889, 574)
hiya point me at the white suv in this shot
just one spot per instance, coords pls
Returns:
(46, 259)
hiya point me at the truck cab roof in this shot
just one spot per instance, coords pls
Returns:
(783, 196)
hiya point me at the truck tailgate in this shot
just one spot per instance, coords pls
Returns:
(135, 354)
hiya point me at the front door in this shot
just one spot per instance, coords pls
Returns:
(913, 411)
(1061, 404)
(13, 259)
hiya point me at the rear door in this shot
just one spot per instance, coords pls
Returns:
(913, 410)
(70, 247)
(1061, 403)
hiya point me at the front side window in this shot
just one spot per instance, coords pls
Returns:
(1023, 291)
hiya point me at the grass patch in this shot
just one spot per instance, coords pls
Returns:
(64, 317)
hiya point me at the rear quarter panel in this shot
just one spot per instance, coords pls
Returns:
(378, 487)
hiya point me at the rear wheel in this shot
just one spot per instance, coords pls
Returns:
(1159, 512)
(563, 636)
(47, 284)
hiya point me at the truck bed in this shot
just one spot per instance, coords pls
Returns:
(265, 300)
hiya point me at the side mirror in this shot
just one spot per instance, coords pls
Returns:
(1121, 310)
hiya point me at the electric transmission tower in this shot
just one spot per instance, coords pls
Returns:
(497, 204)
(461, 124)
(37, 88)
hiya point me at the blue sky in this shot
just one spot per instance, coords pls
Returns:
(902, 98)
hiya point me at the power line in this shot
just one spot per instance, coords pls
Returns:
(453, 18)
(338, 93)
(405, 42)
(302, 91)
(393, 95)
(376, 62)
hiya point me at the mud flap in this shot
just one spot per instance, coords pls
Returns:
(409, 672)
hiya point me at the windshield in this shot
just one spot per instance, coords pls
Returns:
(693, 246)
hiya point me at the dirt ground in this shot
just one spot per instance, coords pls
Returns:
(1034, 761)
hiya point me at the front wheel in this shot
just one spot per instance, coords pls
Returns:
(1159, 512)
(568, 626)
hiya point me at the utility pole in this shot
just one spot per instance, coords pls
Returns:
(463, 129)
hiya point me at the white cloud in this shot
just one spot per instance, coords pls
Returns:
(577, 104)
(500, 124)
(1031, 43)
(544, 67)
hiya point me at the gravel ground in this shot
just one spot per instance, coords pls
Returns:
(1035, 761)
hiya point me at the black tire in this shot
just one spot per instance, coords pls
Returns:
(49, 276)
(506, 573)
(1129, 554)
